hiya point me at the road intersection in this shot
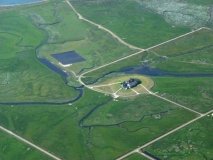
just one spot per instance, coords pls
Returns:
(200, 115)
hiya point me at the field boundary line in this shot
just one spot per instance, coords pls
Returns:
(29, 143)
(177, 38)
(165, 99)
(176, 104)
(162, 136)
(103, 28)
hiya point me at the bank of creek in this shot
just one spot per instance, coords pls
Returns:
(64, 75)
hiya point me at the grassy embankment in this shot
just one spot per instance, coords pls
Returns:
(130, 21)
(14, 149)
(23, 78)
(67, 32)
(114, 84)
(191, 142)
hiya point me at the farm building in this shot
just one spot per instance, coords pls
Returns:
(130, 83)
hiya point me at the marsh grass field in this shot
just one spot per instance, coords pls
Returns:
(24, 79)
(57, 128)
(135, 157)
(130, 21)
(192, 142)
(195, 93)
(98, 126)
(192, 53)
(12, 148)
(66, 33)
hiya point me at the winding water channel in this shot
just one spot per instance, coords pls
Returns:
(64, 75)
(145, 70)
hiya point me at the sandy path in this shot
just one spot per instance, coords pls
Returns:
(101, 27)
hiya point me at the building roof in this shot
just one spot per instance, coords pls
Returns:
(130, 83)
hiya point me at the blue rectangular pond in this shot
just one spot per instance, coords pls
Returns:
(68, 57)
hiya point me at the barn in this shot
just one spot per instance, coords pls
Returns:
(131, 83)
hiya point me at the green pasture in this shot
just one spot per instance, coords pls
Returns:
(189, 143)
(180, 13)
(118, 125)
(131, 22)
(23, 78)
(131, 111)
(196, 41)
(199, 62)
(133, 61)
(111, 71)
(56, 128)
(8, 45)
(66, 33)
(135, 156)
(13, 23)
(107, 89)
(195, 93)
(123, 138)
(12, 148)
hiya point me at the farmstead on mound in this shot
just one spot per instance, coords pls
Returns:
(130, 83)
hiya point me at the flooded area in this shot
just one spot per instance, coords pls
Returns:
(68, 57)
(53, 67)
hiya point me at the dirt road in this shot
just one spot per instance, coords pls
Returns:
(29, 143)
(101, 27)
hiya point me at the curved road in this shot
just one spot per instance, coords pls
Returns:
(101, 27)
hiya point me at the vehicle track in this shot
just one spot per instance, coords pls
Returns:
(103, 28)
